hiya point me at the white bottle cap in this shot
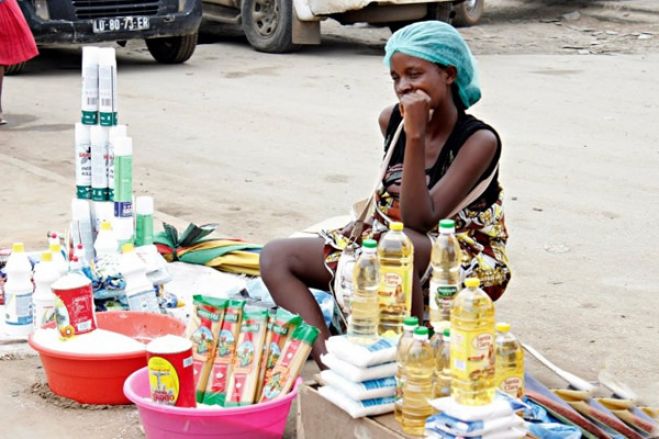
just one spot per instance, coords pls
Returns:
(107, 56)
(90, 55)
(82, 133)
(144, 205)
(123, 146)
(80, 210)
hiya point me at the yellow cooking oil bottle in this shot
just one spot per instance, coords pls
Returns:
(417, 389)
(395, 253)
(404, 342)
(364, 316)
(472, 346)
(509, 363)
(445, 282)
(441, 346)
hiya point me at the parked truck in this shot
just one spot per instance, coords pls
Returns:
(169, 27)
(283, 25)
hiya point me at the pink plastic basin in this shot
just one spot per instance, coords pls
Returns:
(99, 378)
(259, 421)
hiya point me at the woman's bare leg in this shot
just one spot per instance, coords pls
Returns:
(289, 267)
(2, 75)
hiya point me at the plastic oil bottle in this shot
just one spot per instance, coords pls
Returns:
(446, 274)
(45, 274)
(396, 254)
(441, 346)
(417, 390)
(472, 346)
(364, 316)
(404, 342)
(509, 364)
(18, 292)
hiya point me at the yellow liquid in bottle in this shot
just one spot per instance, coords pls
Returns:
(401, 357)
(395, 254)
(472, 346)
(364, 315)
(446, 275)
(509, 371)
(417, 390)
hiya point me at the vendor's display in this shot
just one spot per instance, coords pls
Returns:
(171, 376)
(364, 313)
(417, 388)
(509, 362)
(445, 259)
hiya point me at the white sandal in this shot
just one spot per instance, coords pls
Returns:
(3, 121)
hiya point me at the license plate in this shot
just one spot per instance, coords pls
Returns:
(120, 24)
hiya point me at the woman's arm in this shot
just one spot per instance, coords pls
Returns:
(421, 208)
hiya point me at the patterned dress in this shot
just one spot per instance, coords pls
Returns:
(480, 227)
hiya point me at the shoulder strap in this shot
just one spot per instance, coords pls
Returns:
(475, 192)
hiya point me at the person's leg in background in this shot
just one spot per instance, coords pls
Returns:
(2, 75)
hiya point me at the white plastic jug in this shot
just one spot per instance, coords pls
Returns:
(18, 293)
(45, 274)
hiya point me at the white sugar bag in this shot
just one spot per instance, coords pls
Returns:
(360, 391)
(358, 374)
(379, 352)
(357, 409)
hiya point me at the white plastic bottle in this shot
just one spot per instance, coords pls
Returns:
(81, 226)
(115, 133)
(45, 274)
(18, 293)
(107, 250)
(58, 259)
(139, 290)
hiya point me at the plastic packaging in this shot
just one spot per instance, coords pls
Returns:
(123, 189)
(99, 149)
(446, 272)
(139, 290)
(107, 87)
(358, 374)
(89, 104)
(143, 221)
(472, 346)
(364, 312)
(357, 409)
(171, 379)
(404, 342)
(45, 274)
(396, 256)
(417, 388)
(343, 287)
(509, 361)
(83, 160)
(18, 292)
(106, 247)
(370, 389)
(382, 351)
(74, 307)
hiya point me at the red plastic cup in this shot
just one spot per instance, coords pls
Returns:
(171, 375)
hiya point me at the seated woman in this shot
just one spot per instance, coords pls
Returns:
(442, 154)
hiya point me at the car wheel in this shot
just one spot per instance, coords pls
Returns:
(468, 13)
(268, 25)
(14, 69)
(442, 11)
(172, 50)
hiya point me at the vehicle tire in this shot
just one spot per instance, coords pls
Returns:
(468, 13)
(14, 69)
(268, 25)
(172, 50)
(439, 11)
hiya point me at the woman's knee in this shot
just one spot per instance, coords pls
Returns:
(272, 259)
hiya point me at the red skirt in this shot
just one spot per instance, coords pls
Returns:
(16, 41)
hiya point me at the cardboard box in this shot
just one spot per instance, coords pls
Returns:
(319, 418)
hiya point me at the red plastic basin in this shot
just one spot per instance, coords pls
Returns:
(99, 378)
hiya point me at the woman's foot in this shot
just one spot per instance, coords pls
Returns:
(3, 121)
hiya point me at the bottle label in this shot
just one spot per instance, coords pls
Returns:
(441, 295)
(472, 354)
(18, 308)
(163, 381)
(511, 384)
(396, 287)
(143, 301)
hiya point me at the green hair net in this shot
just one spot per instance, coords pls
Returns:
(438, 43)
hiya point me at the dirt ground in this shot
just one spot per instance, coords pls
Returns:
(265, 145)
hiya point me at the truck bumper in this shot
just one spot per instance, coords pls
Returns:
(81, 31)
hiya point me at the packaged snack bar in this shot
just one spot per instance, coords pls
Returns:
(203, 331)
(290, 363)
(279, 329)
(223, 357)
(245, 371)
